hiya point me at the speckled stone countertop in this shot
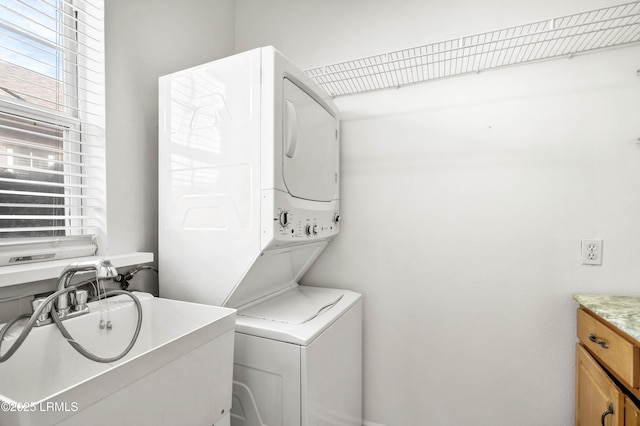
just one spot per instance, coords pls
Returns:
(622, 312)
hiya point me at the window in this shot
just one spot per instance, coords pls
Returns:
(52, 162)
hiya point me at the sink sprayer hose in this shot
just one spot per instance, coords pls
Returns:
(18, 341)
(56, 319)
(84, 352)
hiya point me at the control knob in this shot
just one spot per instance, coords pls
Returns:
(311, 229)
(285, 217)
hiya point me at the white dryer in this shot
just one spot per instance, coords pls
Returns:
(248, 199)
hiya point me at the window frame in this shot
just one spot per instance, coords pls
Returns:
(70, 121)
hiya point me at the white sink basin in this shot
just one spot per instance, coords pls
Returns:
(178, 372)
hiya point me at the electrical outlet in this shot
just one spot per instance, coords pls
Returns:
(592, 251)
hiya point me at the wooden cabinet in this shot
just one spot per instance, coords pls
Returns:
(598, 399)
(607, 371)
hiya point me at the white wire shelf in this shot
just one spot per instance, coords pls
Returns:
(553, 38)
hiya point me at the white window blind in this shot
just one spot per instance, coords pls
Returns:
(52, 161)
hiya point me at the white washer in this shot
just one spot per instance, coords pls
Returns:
(248, 199)
(298, 360)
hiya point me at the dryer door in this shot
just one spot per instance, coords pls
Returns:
(310, 146)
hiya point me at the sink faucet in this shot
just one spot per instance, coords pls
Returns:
(103, 269)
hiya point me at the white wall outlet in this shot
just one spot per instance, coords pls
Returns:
(592, 251)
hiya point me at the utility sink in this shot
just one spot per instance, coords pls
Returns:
(178, 372)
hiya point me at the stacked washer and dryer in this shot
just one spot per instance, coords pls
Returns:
(248, 199)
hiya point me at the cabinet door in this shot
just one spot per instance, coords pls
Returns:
(631, 413)
(598, 400)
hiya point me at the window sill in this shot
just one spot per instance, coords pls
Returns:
(21, 274)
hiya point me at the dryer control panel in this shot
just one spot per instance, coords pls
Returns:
(296, 221)
(298, 224)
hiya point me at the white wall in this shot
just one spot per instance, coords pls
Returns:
(464, 202)
(144, 40)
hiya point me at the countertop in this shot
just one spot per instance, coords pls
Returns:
(622, 312)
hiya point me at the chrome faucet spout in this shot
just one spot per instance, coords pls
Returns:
(102, 267)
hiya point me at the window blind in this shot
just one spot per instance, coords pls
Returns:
(52, 159)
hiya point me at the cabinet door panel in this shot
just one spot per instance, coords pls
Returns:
(595, 393)
(631, 413)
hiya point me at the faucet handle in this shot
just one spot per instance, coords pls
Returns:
(81, 298)
(44, 315)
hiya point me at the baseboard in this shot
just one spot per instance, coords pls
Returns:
(368, 423)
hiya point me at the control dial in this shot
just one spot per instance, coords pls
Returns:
(285, 218)
(336, 218)
(311, 229)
